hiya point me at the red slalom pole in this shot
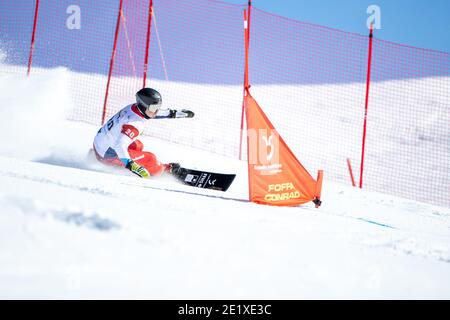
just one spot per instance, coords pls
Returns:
(33, 36)
(245, 82)
(350, 170)
(247, 48)
(113, 56)
(246, 72)
(147, 45)
(369, 70)
(248, 20)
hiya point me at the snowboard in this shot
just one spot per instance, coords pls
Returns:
(204, 179)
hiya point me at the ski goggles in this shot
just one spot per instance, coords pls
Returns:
(149, 107)
(154, 107)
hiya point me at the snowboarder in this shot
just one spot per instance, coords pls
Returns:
(116, 142)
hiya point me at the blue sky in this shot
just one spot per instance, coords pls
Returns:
(421, 23)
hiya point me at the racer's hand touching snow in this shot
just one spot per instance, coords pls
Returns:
(137, 169)
(173, 167)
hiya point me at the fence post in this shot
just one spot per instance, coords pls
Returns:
(113, 56)
(369, 71)
(33, 36)
(147, 44)
(246, 76)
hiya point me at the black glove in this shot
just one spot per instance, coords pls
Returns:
(181, 114)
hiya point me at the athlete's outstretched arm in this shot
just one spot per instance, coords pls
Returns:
(170, 113)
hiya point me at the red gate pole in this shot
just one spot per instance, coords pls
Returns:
(350, 170)
(245, 84)
(369, 71)
(33, 36)
(248, 19)
(113, 56)
(147, 45)
(246, 76)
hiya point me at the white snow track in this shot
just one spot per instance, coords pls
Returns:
(74, 233)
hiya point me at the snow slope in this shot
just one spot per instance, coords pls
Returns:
(408, 132)
(70, 228)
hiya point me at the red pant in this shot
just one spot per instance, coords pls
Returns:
(144, 158)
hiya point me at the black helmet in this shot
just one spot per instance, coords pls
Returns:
(148, 99)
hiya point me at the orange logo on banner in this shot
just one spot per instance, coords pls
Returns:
(276, 177)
